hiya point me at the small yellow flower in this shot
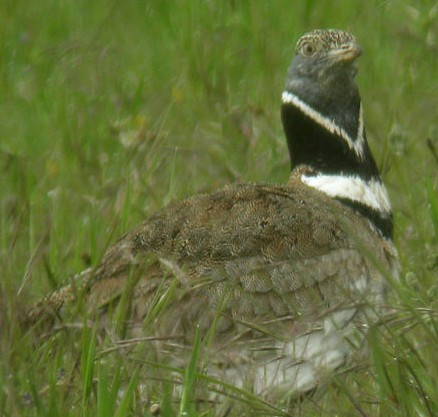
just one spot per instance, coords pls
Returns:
(52, 168)
(177, 95)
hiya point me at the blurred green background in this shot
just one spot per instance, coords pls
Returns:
(110, 109)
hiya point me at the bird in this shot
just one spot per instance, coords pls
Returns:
(284, 280)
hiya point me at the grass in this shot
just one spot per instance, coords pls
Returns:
(110, 109)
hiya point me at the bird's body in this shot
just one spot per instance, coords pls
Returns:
(284, 275)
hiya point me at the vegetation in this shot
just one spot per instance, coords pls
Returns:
(110, 109)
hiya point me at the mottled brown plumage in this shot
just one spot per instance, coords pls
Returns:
(260, 239)
(267, 257)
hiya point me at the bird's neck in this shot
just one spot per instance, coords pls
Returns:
(329, 140)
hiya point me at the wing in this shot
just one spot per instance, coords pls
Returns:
(261, 252)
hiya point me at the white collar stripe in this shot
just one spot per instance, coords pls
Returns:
(360, 128)
(330, 125)
(371, 193)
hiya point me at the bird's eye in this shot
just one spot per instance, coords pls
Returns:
(308, 49)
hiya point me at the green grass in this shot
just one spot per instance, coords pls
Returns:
(111, 109)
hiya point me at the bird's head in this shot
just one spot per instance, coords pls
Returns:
(324, 58)
(320, 83)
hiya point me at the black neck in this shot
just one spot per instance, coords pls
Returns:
(313, 145)
(383, 223)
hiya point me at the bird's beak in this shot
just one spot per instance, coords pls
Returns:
(347, 53)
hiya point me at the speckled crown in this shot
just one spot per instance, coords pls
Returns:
(327, 38)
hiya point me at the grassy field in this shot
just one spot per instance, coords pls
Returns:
(111, 109)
